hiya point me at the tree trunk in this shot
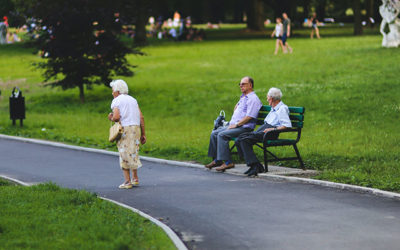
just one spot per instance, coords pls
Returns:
(81, 93)
(321, 9)
(306, 7)
(284, 6)
(370, 12)
(255, 15)
(357, 17)
(238, 11)
(217, 11)
(140, 24)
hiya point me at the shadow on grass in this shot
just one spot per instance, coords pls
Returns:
(16, 49)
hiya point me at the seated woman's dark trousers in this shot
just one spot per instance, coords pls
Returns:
(244, 143)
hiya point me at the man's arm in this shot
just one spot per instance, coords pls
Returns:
(288, 29)
(245, 120)
(277, 128)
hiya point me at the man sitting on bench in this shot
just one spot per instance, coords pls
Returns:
(244, 119)
(277, 119)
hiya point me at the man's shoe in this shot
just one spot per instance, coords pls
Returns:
(261, 168)
(253, 172)
(212, 164)
(224, 167)
(248, 170)
(255, 169)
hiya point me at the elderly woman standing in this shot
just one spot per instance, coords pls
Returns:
(126, 110)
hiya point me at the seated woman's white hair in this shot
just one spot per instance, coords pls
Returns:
(119, 86)
(275, 93)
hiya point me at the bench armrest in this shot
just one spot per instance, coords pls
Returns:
(281, 131)
(288, 130)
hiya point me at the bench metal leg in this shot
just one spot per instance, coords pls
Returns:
(265, 159)
(298, 156)
(233, 146)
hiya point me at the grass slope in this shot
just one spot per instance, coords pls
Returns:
(349, 86)
(49, 217)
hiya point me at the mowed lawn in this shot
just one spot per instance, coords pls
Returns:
(349, 86)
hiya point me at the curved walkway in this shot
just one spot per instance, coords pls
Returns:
(210, 210)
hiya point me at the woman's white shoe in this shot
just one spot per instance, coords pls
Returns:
(125, 185)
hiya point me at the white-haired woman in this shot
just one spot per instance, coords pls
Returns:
(125, 109)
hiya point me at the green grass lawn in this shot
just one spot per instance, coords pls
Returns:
(349, 86)
(49, 217)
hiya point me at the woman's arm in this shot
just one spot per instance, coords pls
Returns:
(142, 128)
(114, 116)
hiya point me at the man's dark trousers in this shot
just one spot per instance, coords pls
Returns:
(245, 142)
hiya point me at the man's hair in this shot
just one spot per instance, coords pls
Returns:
(251, 81)
(275, 94)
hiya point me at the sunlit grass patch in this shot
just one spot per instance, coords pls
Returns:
(49, 217)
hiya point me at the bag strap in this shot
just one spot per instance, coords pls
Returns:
(115, 122)
(222, 112)
(17, 93)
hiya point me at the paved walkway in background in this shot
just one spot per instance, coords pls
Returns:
(210, 210)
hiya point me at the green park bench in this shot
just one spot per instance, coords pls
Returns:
(296, 115)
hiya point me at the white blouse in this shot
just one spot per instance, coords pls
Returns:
(128, 109)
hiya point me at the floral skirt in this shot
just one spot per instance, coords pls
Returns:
(128, 148)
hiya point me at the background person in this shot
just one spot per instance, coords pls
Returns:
(278, 31)
(314, 26)
(3, 31)
(286, 33)
(126, 110)
(243, 120)
(277, 119)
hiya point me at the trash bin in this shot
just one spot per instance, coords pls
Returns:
(17, 106)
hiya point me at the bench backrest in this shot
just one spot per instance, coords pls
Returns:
(296, 115)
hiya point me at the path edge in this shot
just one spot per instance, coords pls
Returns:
(354, 188)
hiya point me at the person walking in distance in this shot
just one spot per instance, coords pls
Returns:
(286, 33)
(314, 26)
(278, 31)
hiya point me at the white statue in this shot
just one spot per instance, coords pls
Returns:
(390, 10)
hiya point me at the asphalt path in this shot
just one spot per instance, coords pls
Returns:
(210, 210)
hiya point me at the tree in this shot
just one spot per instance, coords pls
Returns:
(6, 6)
(255, 15)
(321, 9)
(137, 12)
(357, 17)
(141, 12)
(306, 8)
(80, 42)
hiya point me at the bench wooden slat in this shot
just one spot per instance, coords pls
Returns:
(299, 110)
(297, 124)
(292, 117)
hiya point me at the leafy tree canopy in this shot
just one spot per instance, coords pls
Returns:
(80, 40)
